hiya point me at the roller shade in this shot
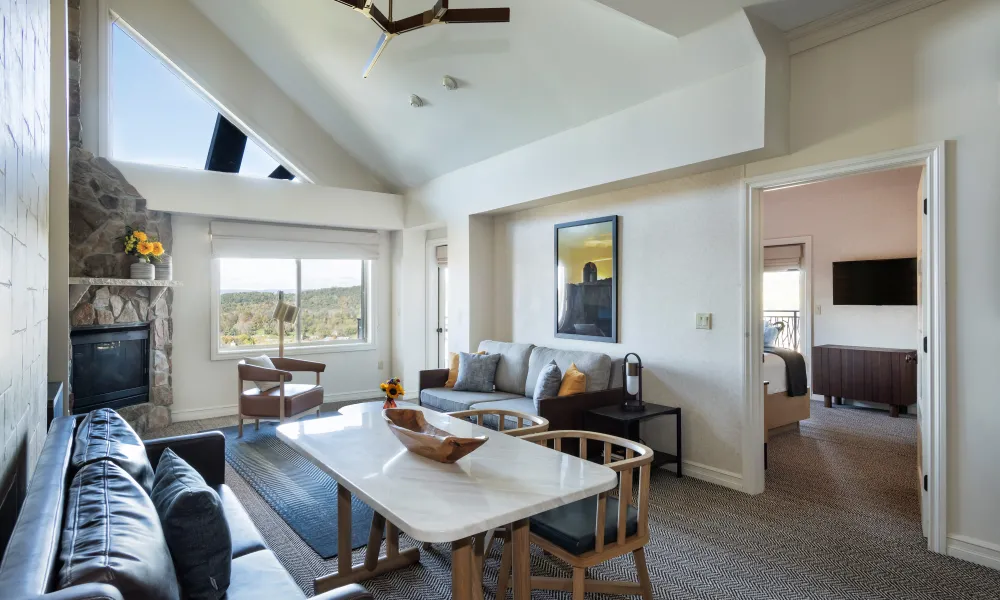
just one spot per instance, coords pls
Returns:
(254, 240)
(441, 252)
(783, 258)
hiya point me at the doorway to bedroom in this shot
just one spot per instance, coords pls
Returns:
(841, 319)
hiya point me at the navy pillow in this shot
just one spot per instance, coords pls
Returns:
(105, 435)
(195, 527)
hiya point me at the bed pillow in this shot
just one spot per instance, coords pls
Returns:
(549, 381)
(476, 372)
(771, 334)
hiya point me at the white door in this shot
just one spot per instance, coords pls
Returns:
(442, 317)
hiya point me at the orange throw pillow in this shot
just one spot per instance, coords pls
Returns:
(453, 369)
(574, 382)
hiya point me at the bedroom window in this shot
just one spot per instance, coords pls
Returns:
(332, 296)
(782, 306)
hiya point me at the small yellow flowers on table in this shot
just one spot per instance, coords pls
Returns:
(393, 389)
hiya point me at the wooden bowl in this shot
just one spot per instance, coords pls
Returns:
(420, 437)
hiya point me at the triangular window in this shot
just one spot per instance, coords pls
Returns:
(159, 119)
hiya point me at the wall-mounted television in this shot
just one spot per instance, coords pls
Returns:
(891, 282)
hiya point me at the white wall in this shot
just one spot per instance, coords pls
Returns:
(205, 388)
(678, 256)
(856, 218)
(58, 301)
(208, 193)
(930, 76)
(201, 51)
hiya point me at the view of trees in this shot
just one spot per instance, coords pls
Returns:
(245, 318)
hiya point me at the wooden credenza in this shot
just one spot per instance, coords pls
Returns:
(886, 375)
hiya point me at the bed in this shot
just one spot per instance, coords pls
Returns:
(781, 410)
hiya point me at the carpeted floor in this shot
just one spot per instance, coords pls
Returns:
(840, 519)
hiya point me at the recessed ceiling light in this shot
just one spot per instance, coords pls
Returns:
(449, 82)
(416, 101)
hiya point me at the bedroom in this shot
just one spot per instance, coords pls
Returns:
(842, 328)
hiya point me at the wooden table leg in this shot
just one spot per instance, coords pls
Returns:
(893, 410)
(478, 560)
(461, 569)
(828, 401)
(373, 565)
(521, 542)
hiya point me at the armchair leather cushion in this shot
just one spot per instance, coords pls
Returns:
(265, 362)
(195, 528)
(571, 527)
(105, 435)
(299, 397)
(112, 535)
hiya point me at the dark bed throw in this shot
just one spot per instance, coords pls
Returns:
(795, 370)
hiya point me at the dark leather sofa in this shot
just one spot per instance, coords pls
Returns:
(31, 561)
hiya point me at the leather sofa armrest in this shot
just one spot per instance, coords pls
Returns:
(86, 591)
(433, 378)
(253, 373)
(348, 592)
(206, 452)
(296, 364)
(566, 412)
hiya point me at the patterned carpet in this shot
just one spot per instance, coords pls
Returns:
(840, 519)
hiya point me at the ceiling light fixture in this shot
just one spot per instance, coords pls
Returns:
(449, 82)
(416, 101)
(439, 14)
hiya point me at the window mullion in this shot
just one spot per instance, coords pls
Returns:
(298, 300)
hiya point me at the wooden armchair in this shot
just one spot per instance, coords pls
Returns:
(501, 418)
(596, 529)
(287, 401)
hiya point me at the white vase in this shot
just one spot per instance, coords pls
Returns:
(164, 268)
(142, 270)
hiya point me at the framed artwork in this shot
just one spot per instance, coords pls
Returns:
(587, 280)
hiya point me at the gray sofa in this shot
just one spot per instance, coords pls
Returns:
(516, 375)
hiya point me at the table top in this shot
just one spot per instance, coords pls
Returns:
(505, 480)
(374, 406)
(615, 412)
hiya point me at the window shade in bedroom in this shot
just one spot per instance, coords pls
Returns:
(255, 240)
(783, 258)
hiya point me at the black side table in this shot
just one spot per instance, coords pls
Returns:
(615, 421)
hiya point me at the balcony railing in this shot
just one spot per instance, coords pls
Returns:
(789, 324)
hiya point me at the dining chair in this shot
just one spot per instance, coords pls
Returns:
(287, 401)
(594, 530)
(526, 424)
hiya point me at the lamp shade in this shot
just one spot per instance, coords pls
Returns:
(632, 378)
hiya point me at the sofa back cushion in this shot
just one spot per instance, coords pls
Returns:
(596, 366)
(105, 435)
(112, 535)
(513, 368)
(194, 525)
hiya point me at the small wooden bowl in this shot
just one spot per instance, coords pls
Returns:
(420, 437)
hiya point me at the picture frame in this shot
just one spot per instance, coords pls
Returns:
(586, 279)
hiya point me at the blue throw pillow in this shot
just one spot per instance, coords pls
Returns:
(195, 527)
(771, 333)
(476, 372)
(547, 386)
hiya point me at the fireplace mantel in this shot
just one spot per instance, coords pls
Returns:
(78, 286)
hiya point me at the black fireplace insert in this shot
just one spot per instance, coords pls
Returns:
(111, 365)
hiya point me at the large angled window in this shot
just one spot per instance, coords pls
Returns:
(157, 118)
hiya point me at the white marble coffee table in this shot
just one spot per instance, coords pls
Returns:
(504, 482)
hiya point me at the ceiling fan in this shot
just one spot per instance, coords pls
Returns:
(439, 14)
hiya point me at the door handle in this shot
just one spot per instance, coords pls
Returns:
(439, 330)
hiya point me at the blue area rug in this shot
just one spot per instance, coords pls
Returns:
(302, 494)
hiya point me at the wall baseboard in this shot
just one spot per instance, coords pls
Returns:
(728, 479)
(974, 551)
(228, 410)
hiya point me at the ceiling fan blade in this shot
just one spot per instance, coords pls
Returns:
(355, 4)
(383, 41)
(476, 15)
(379, 19)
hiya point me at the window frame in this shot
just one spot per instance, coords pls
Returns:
(369, 302)
(100, 142)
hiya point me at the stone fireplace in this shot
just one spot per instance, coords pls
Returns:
(102, 204)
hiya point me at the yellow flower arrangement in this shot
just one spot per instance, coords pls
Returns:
(393, 389)
(141, 244)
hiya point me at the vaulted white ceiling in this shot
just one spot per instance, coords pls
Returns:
(558, 65)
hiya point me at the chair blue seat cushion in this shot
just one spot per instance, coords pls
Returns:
(572, 527)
